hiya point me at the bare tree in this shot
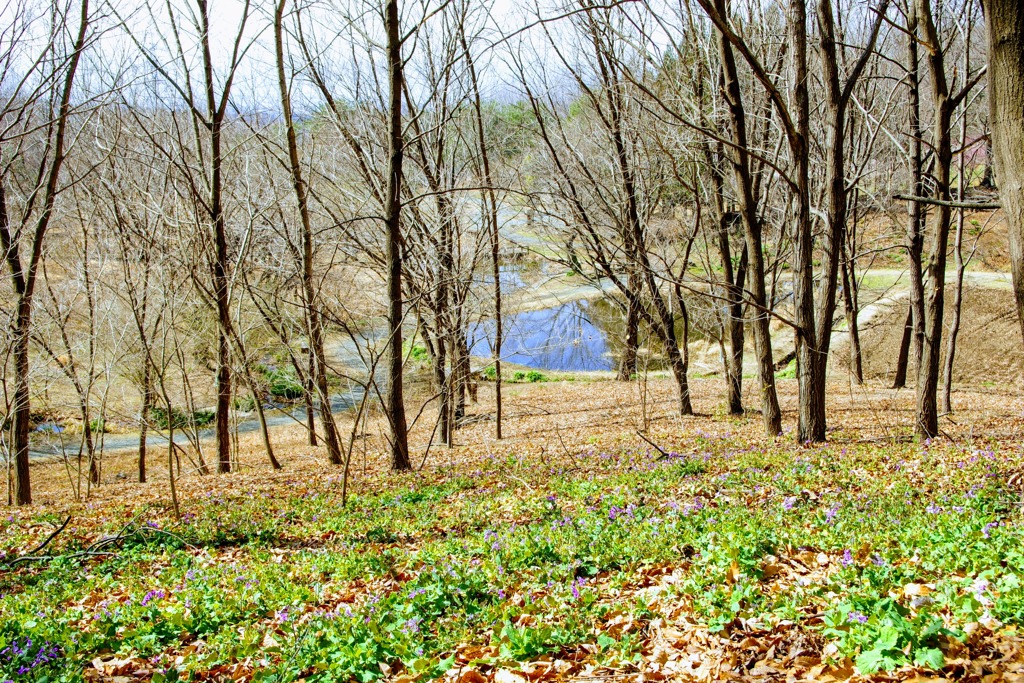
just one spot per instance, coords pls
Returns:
(311, 303)
(35, 120)
(201, 143)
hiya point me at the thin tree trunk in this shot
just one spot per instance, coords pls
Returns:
(491, 212)
(740, 159)
(22, 405)
(215, 123)
(311, 304)
(394, 400)
(903, 359)
(309, 392)
(631, 336)
(958, 250)
(147, 404)
(927, 424)
(170, 461)
(850, 310)
(264, 430)
(915, 212)
(24, 278)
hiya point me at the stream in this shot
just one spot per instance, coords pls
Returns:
(568, 328)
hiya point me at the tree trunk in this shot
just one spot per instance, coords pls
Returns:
(627, 364)
(220, 257)
(264, 430)
(307, 396)
(394, 402)
(1004, 22)
(490, 210)
(147, 404)
(740, 160)
(810, 358)
(903, 360)
(927, 424)
(915, 212)
(22, 404)
(958, 251)
(851, 311)
(23, 278)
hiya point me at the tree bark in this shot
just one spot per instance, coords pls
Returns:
(1004, 25)
(630, 339)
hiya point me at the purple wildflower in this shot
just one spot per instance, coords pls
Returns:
(832, 512)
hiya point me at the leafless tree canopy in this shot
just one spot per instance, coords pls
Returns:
(217, 210)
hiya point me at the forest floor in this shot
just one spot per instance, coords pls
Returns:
(571, 549)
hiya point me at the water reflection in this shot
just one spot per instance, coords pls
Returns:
(566, 337)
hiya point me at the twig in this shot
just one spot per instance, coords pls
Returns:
(576, 464)
(664, 454)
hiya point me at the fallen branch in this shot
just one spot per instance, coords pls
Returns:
(664, 454)
(947, 202)
(31, 554)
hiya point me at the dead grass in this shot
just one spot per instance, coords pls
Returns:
(548, 420)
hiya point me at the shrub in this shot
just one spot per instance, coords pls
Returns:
(180, 418)
(280, 383)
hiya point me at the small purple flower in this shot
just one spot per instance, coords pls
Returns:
(933, 509)
(155, 594)
(987, 530)
(789, 503)
(857, 618)
(832, 512)
(847, 558)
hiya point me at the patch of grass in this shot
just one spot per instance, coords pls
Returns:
(788, 372)
(825, 539)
